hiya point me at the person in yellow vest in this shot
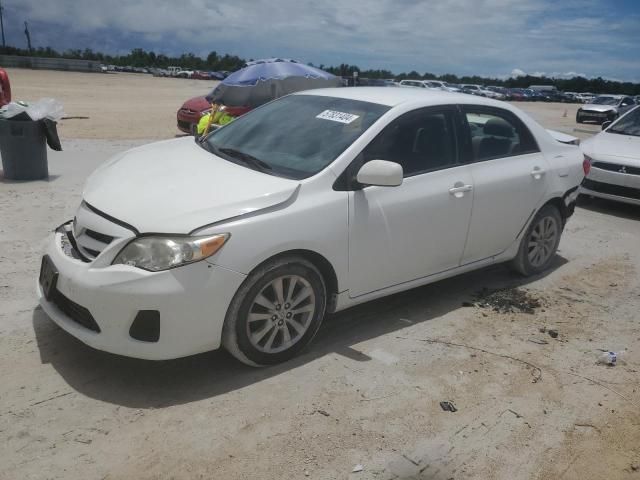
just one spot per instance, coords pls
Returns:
(217, 116)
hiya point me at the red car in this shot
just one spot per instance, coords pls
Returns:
(193, 109)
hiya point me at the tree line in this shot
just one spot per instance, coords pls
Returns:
(575, 84)
(139, 57)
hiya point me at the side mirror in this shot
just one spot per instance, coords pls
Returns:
(606, 124)
(381, 173)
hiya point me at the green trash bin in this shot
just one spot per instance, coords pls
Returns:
(23, 147)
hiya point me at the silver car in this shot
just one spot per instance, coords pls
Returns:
(614, 156)
(605, 108)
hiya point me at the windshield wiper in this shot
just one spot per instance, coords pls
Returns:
(246, 158)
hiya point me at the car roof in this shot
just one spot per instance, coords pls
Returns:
(395, 96)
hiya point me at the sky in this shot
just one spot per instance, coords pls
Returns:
(497, 38)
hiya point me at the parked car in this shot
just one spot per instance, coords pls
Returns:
(516, 95)
(249, 238)
(614, 156)
(184, 74)
(503, 93)
(200, 75)
(416, 83)
(553, 96)
(605, 108)
(444, 86)
(480, 91)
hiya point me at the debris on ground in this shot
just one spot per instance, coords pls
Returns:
(448, 406)
(357, 468)
(553, 333)
(539, 342)
(608, 358)
(322, 412)
(506, 300)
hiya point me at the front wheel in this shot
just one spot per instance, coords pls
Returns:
(276, 312)
(539, 243)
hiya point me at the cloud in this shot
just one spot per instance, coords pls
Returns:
(437, 36)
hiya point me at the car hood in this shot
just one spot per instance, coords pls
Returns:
(598, 108)
(176, 186)
(609, 146)
(197, 104)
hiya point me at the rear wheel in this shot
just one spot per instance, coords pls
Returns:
(539, 243)
(276, 312)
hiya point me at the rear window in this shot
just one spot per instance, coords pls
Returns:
(496, 133)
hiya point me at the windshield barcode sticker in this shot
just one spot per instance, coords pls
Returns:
(334, 116)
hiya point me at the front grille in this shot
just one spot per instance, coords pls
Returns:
(184, 125)
(75, 312)
(611, 189)
(101, 237)
(615, 167)
(90, 242)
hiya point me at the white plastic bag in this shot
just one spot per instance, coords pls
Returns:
(45, 108)
(12, 109)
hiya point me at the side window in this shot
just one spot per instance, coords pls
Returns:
(420, 141)
(628, 101)
(497, 134)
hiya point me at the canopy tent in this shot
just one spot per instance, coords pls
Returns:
(264, 80)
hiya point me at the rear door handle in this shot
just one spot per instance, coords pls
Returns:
(537, 173)
(459, 189)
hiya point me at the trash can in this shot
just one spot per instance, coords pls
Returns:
(24, 150)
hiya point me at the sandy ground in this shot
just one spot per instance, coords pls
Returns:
(119, 105)
(366, 392)
(136, 106)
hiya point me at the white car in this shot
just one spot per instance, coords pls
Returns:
(417, 83)
(614, 155)
(605, 108)
(247, 239)
(444, 86)
(480, 91)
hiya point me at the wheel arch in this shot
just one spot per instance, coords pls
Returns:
(324, 266)
(564, 203)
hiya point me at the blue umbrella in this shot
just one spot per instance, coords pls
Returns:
(264, 80)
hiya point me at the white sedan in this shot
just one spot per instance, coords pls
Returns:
(614, 155)
(308, 205)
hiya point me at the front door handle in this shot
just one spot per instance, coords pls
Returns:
(459, 189)
(537, 173)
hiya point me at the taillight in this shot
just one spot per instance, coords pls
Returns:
(586, 164)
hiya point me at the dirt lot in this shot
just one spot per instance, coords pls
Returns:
(367, 392)
(134, 106)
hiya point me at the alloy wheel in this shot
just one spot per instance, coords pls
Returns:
(542, 241)
(280, 314)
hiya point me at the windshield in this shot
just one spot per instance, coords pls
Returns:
(628, 125)
(295, 136)
(605, 101)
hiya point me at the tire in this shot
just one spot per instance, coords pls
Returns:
(527, 262)
(263, 339)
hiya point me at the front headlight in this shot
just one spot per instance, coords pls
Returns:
(156, 253)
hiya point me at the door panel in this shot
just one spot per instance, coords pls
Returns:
(509, 178)
(398, 234)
